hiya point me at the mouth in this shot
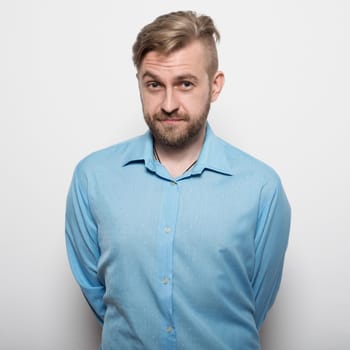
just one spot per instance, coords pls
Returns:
(171, 120)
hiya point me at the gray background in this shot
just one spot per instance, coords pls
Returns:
(68, 87)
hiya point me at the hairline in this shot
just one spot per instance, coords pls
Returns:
(201, 40)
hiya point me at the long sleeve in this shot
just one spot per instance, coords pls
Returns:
(271, 241)
(82, 243)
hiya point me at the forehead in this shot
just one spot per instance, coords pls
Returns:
(190, 59)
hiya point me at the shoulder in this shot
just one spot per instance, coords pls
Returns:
(257, 177)
(111, 156)
(246, 165)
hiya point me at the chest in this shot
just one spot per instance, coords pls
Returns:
(194, 218)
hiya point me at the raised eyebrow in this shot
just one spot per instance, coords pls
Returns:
(148, 74)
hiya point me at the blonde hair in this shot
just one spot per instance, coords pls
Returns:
(175, 30)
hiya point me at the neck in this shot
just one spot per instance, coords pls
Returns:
(178, 160)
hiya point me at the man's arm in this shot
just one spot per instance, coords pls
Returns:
(82, 244)
(270, 245)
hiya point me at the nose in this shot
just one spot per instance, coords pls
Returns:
(170, 103)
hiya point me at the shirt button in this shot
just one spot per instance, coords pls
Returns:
(165, 280)
(167, 229)
(169, 329)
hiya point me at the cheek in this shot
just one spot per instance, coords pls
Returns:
(151, 102)
(195, 102)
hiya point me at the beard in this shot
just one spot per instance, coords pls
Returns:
(176, 136)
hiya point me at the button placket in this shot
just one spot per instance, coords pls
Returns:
(166, 235)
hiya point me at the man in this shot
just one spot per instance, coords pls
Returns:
(176, 238)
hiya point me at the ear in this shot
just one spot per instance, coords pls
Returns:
(217, 84)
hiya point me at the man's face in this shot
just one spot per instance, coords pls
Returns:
(176, 94)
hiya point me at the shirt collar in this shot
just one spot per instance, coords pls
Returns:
(140, 149)
(212, 157)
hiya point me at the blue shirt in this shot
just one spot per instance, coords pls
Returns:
(191, 263)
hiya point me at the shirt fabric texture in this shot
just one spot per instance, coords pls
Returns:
(191, 263)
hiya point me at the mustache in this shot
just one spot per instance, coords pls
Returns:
(161, 116)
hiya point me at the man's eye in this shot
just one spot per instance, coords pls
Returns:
(153, 84)
(186, 84)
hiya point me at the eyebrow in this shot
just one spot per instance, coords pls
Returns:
(148, 74)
